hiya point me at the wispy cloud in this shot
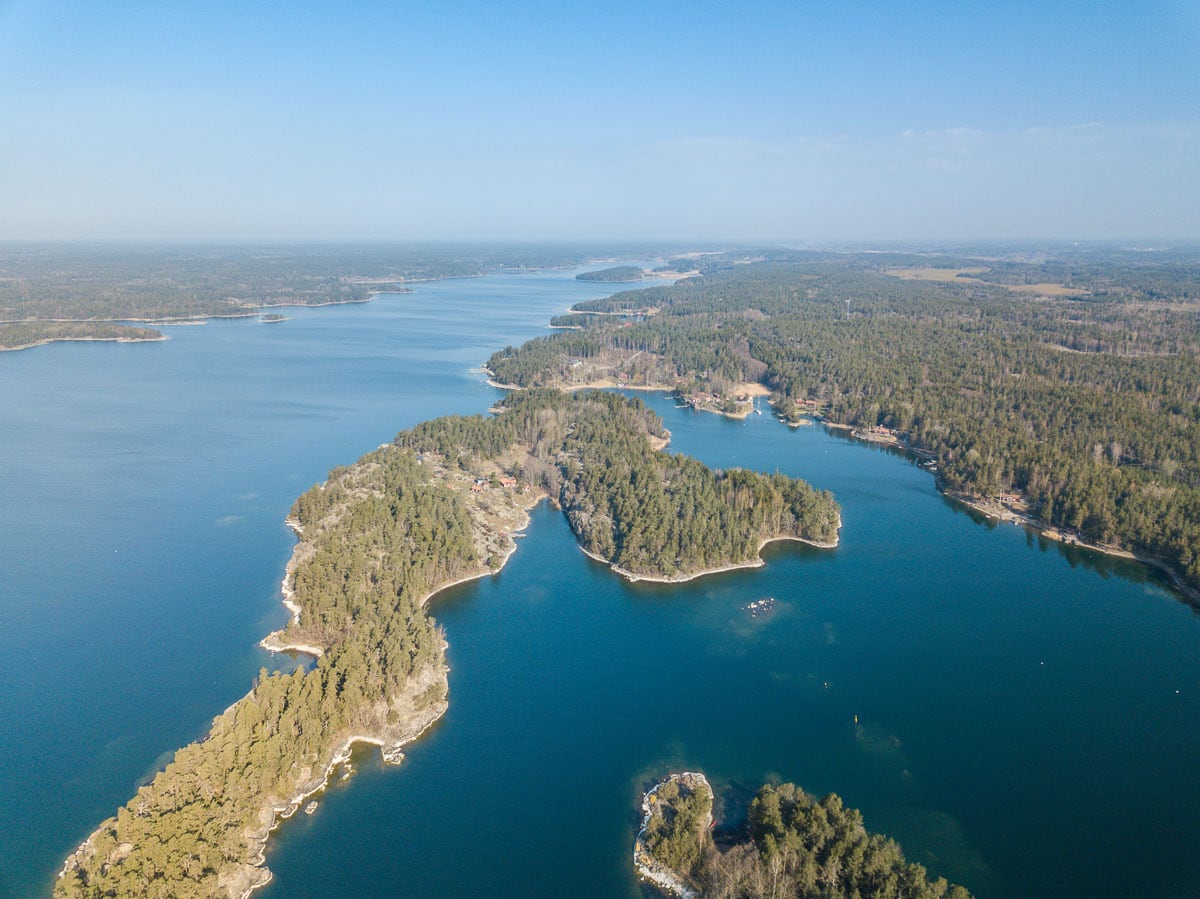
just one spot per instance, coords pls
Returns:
(1087, 177)
(715, 148)
(938, 146)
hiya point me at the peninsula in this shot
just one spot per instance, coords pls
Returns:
(791, 845)
(376, 540)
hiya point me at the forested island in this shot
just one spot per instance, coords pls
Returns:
(377, 539)
(1060, 390)
(790, 845)
(617, 273)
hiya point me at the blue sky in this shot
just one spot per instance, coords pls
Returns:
(797, 121)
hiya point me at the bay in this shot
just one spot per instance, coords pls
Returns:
(1009, 713)
(1023, 718)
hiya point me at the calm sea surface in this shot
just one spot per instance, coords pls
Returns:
(1028, 720)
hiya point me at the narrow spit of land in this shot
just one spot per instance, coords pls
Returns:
(376, 540)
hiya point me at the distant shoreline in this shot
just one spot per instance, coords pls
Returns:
(394, 287)
(397, 287)
(169, 321)
(194, 318)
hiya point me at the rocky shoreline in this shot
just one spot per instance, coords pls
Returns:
(254, 874)
(647, 866)
(720, 569)
(391, 740)
(750, 390)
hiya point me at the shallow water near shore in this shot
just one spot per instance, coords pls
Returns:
(1028, 716)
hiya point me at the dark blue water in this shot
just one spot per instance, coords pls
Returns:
(1028, 721)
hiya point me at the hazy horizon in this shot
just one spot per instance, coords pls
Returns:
(780, 124)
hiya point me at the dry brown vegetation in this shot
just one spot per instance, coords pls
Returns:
(959, 275)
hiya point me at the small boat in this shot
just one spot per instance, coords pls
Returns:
(310, 808)
(760, 608)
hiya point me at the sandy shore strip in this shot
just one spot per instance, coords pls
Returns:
(49, 340)
(603, 384)
(669, 276)
(317, 305)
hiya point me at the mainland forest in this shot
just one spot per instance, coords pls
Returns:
(1072, 384)
(377, 538)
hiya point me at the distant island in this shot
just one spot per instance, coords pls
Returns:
(616, 273)
(791, 845)
(26, 335)
(376, 540)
